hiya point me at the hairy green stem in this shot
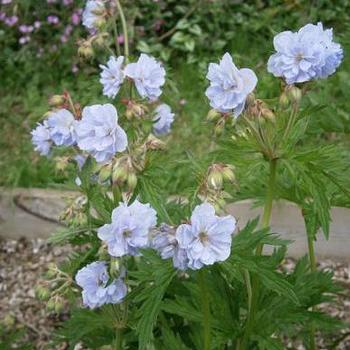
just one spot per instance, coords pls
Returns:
(119, 339)
(312, 258)
(124, 28)
(205, 309)
(243, 345)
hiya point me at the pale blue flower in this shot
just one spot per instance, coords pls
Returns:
(41, 139)
(165, 242)
(305, 55)
(61, 124)
(92, 13)
(97, 289)
(229, 86)
(148, 76)
(163, 119)
(208, 238)
(129, 229)
(112, 76)
(99, 133)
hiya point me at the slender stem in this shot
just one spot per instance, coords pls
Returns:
(249, 288)
(119, 339)
(205, 310)
(255, 282)
(312, 258)
(116, 42)
(125, 29)
(265, 222)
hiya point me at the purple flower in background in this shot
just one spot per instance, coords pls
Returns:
(163, 119)
(67, 2)
(41, 139)
(305, 55)
(129, 229)
(112, 76)
(62, 130)
(75, 18)
(23, 28)
(97, 289)
(37, 24)
(148, 76)
(6, 2)
(99, 133)
(167, 245)
(2, 15)
(53, 19)
(208, 238)
(93, 11)
(229, 86)
(120, 39)
(75, 68)
(24, 39)
(11, 21)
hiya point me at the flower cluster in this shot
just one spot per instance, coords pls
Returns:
(305, 55)
(129, 229)
(147, 74)
(206, 240)
(99, 133)
(229, 86)
(30, 28)
(97, 287)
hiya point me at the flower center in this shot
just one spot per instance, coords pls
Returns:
(203, 237)
(127, 233)
(299, 57)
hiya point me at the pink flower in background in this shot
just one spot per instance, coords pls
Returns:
(75, 18)
(37, 24)
(11, 21)
(51, 1)
(23, 28)
(6, 2)
(2, 16)
(24, 40)
(67, 2)
(120, 39)
(53, 19)
(75, 69)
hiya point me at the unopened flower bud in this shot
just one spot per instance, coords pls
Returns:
(132, 181)
(213, 114)
(56, 100)
(219, 127)
(250, 99)
(42, 292)
(268, 114)
(105, 173)
(284, 101)
(294, 94)
(85, 50)
(153, 143)
(100, 22)
(228, 173)
(100, 39)
(51, 304)
(52, 270)
(119, 174)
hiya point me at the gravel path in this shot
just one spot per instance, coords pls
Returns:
(22, 262)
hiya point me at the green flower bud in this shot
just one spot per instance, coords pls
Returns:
(294, 94)
(213, 114)
(105, 172)
(132, 181)
(228, 173)
(56, 100)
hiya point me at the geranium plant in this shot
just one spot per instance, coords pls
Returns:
(153, 272)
